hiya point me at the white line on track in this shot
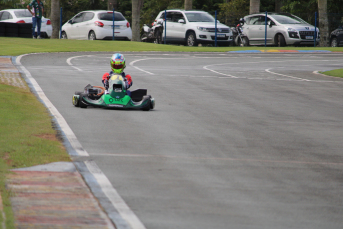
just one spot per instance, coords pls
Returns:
(114, 197)
(293, 77)
(140, 68)
(71, 65)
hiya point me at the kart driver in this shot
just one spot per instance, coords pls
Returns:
(117, 65)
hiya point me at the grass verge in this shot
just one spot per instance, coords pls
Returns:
(18, 46)
(27, 137)
(336, 73)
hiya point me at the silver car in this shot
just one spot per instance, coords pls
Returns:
(282, 29)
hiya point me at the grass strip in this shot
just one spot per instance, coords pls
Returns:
(27, 137)
(10, 46)
(335, 73)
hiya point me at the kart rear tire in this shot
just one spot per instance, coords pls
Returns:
(148, 106)
(82, 104)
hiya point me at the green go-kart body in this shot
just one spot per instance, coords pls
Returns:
(117, 97)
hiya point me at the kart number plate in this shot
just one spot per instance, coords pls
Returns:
(309, 37)
(220, 35)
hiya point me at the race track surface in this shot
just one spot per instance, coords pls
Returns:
(235, 140)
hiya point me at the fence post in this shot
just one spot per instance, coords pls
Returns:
(165, 26)
(215, 30)
(61, 23)
(265, 33)
(315, 29)
(113, 26)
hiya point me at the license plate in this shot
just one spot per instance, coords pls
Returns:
(309, 37)
(220, 35)
(116, 26)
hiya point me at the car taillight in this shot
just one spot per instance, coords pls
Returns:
(48, 22)
(128, 25)
(21, 21)
(98, 23)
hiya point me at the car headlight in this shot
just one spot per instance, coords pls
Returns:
(291, 30)
(203, 29)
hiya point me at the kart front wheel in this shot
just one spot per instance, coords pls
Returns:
(76, 99)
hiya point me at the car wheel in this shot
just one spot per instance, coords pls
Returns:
(158, 37)
(191, 39)
(280, 41)
(91, 35)
(245, 41)
(64, 35)
(334, 42)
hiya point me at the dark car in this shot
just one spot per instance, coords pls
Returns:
(336, 37)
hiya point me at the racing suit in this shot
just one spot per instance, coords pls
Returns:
(127, 79)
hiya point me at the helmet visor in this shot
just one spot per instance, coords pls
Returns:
(117, 66)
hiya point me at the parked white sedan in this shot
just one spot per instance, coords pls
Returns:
(97, 24)
(24, 16)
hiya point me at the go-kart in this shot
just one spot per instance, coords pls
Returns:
(116, 98)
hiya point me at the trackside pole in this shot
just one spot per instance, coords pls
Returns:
(265, 33)
(165, 26)
(61, 23)
(113, 26)
(215, 30)
(315, 29)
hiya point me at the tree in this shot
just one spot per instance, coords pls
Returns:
(55, 18)
(112, 4)
(137, 6)
(188, 4)
(254, 6)
(323, 23)
(278, 5)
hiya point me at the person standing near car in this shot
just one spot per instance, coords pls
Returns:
(38, 10)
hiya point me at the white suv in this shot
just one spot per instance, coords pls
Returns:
(282, 29)
(191, 27)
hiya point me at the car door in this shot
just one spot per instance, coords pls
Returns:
(179, 27)
(169, 30)
(85, 25)
(252, 29)
(73, 30)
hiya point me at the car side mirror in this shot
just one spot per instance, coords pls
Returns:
(70, 22)
(270, 24)
(181, 21)
(218, 21)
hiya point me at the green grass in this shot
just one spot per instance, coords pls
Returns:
(27, 138)
(336, 73)
(18, 46)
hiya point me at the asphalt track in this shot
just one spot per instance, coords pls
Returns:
(236, 140)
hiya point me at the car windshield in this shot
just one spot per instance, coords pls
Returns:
(199, 17)
(283, 19)
(109, 16)
(22, 13)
